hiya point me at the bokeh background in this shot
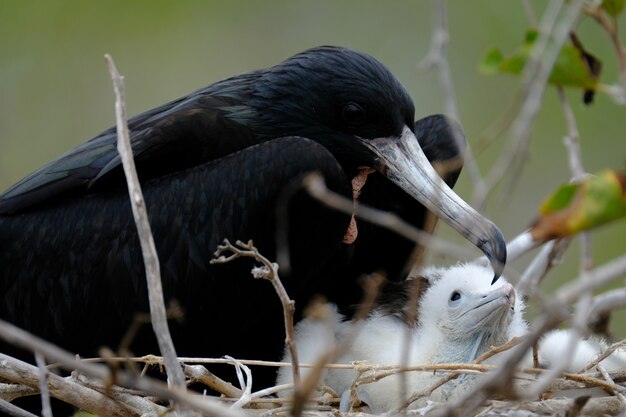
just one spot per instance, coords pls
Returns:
(55, 91)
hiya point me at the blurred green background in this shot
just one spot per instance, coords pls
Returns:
(55, 91)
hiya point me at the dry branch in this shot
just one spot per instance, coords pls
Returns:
(46, 410)
(148, 248)
(268, 271)
(436, 58)
(316, 187)
(13, 410)
(148, 386)
(553, 32)
(20, 372)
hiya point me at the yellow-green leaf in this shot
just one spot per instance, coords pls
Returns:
(573, 208)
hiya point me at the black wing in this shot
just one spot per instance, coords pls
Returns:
(84, 278)
(187, 132)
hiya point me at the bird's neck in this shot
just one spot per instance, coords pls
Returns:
(465, 349)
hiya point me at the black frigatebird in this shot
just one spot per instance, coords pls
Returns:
(213, 165)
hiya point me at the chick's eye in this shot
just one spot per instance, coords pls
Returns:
(353, 113)
(455, 296)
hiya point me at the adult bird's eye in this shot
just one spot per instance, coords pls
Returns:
(455, 296)
(353, 113)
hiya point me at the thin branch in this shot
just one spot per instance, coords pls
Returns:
(21, 372)
(148, 248)
(612, 31)
(316, 187)
(520, 245)
(131, 398)
(557, 407)
(46, 410)
(572, 140)
(553, 34)
(606, 302)
(607, 352)
(428, 391)
(499, 380)
(549, 256)
(436, 58)
(546, 379)
(608, 379)
(14, 410)
(198, 373)
(268, 271)
(20, 338)
(244, 383)
(597, 278)
(371, 289)
(9, 392)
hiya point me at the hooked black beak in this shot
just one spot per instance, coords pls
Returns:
(402, 161)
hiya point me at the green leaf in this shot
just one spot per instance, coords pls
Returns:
(491, 62)
(574, 66)
(613, 7)
(561, 198)
(573, 208)
(571, 70)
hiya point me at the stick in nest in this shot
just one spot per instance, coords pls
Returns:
(268, 271)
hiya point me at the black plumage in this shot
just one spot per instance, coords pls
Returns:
(213, 165)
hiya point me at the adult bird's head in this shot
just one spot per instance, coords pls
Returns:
(352, 104)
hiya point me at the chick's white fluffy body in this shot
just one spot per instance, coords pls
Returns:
(460, 316)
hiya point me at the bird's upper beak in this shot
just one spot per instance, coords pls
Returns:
(402, 160)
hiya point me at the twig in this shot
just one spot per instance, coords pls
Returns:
(520, 245)
(530, 13)
(584, 304)
(244, 383)
(597, 278)
(198, 373)
(20, 338)
(20, 372)
(9, 392)
(268, 271)
(608, 379)
(416, 289)
(536, 72)
(496, 381)
(437, 58)
(612, 31)
(46, 410)
(572, 140)
(553, 407)
(148, 249)
(371, 289)
(491, 352)
(316, 187)
(607, 352)
(546, 379)
(548, 257)
(131, 398)
(14, 410)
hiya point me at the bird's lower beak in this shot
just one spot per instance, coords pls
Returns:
(402, 160)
